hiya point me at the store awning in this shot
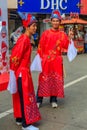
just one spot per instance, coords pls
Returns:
(73, 21)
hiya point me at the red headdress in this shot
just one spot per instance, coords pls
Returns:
(27, 19)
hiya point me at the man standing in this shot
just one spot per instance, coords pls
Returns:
(24, 102)
(51, 79)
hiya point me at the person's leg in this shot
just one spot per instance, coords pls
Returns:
(36, 43)
(21, 101)
(39, 100)
(53, 101)
(84, 48)
(18, 121)
(24, 125)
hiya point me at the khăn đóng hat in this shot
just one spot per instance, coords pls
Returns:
(56, 14)
(27, 19)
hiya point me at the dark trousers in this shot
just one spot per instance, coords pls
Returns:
(52, 99)
(19, 81)
(85, 47)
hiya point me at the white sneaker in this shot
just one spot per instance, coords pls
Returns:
(19, 123)
(31, 127)
(54, 105)
(38, 105)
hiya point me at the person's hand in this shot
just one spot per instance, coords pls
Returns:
(70, 34)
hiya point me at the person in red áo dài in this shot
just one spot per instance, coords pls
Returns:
(24, 102)
(51, 79)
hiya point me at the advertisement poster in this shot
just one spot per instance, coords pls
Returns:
(3, 37)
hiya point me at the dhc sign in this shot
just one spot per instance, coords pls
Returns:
(46, 6)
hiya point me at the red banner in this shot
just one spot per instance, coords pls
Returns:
(83, 7)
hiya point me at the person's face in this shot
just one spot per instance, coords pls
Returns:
(32, 28)
(55, 23)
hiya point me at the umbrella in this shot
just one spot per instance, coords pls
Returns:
(74, 21)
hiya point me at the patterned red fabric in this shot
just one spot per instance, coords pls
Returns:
(51, 85)
(20, 62)
(51, 81)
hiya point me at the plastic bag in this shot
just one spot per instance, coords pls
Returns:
(72, 51)
(36, 64)
(12, 85)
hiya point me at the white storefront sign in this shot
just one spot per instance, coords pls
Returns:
(45, 4)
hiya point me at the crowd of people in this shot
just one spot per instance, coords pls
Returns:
(51, 79)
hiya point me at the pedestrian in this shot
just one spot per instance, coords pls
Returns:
(36, 39)
(51, 79)
(32, 41)
(85, 42)
(24, 102)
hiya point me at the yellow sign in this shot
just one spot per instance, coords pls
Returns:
(79, 5)
(21, 2)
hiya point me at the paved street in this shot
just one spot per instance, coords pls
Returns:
(71, 113)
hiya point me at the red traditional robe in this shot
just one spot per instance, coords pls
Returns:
(51, 79)
(20, 63)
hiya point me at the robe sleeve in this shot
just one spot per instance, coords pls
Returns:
(17, 54)
(15, 59)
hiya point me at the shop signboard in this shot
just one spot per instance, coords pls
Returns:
(46, 6)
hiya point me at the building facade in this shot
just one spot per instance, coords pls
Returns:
(14, 20)
(12, 4)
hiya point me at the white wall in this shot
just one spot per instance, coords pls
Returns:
(12, 4)
(3, 7)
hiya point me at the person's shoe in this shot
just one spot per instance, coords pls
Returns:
(19, 121)
(38, 104)
(54, 105)
(31, 127)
